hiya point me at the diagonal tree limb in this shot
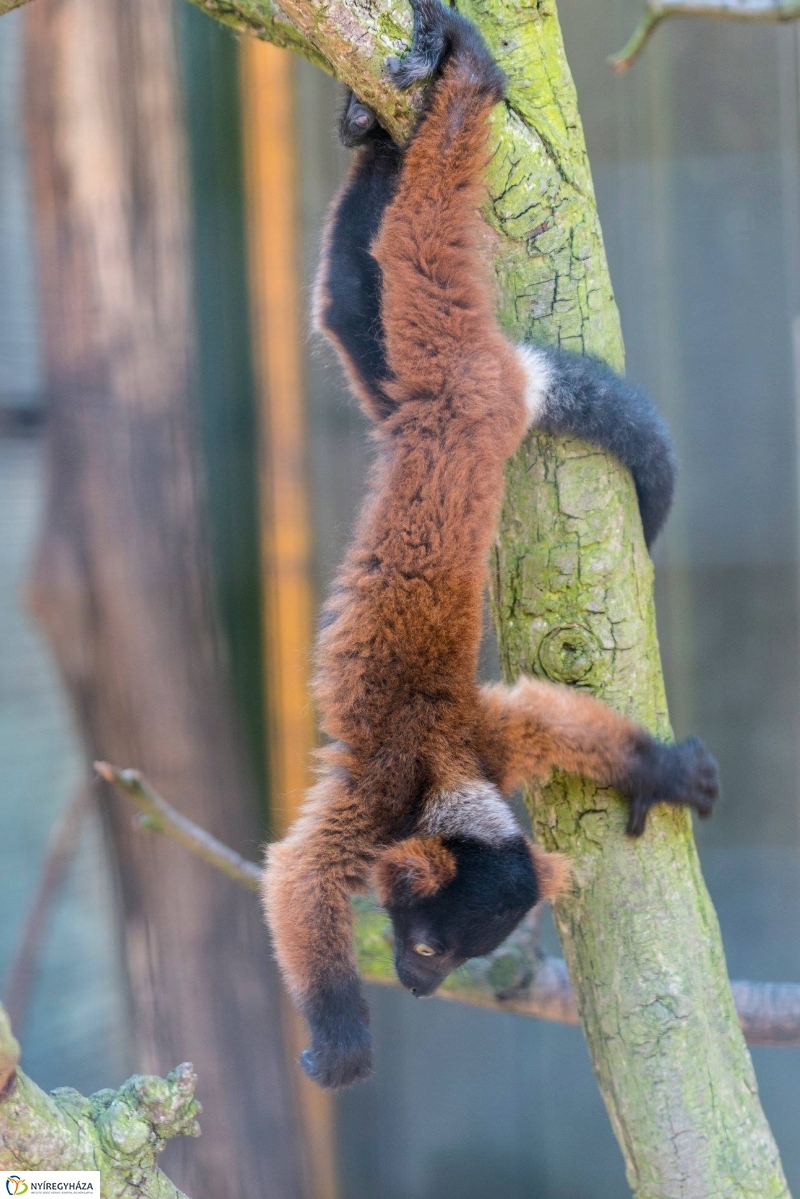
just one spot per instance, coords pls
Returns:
(350, 39)
(735, 10)
(159, 817)
(516, 978)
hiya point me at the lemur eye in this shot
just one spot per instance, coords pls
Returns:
(426, 951)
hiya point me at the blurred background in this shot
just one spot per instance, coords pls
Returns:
(179, 469)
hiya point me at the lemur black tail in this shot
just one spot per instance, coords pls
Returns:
(583, 397)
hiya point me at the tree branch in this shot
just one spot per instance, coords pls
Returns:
(159, 817)
(350, 39)
(517, 977)
(734, 10)
(118, 1132)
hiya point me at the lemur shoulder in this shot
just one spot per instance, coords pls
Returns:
(410, 796)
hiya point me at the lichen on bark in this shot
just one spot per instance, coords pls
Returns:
(120, 1133)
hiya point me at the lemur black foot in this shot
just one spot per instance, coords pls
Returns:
(358, 123)
(439, 32)
(331, 1067)
(341, 1046)
(428, 46)
(683, 774)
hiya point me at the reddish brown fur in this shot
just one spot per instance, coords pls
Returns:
(422, 864)
(534, 726)
(553, 872)
(395, 681)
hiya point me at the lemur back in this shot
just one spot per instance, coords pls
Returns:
(410, 793)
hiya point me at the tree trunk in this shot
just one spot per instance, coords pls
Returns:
(122, 585)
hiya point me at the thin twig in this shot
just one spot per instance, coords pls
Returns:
(62, 843)
(160, 817)
(735, 10)
(516, 977)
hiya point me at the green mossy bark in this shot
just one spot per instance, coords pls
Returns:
(572, 591)
(118, 1133)
(640, 936)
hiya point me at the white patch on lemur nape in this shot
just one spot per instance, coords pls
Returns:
(539, 380)
(476, 810)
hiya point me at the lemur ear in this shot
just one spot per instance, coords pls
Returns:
(414, 869)
(553, 872)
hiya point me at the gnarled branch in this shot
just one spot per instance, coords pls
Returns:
(120, 1133)
(735, 10)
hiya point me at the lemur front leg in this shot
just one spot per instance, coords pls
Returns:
(308, 881)
(534, 727)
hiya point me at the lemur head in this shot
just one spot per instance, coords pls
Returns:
(454, 895)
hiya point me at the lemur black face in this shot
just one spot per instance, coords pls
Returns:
(493, 888)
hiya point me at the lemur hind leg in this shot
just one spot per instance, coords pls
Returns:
(442, 340)
(535, 727)
(347, 305)
(439, 31)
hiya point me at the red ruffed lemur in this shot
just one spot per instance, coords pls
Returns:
(410, 792)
